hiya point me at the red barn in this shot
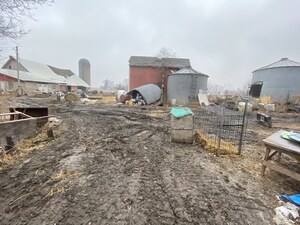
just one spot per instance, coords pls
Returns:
(153, 70)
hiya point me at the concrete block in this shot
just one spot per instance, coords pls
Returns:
(182, 136)
(186, 122)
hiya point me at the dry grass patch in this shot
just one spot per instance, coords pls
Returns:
(266, 99)
(211, 143)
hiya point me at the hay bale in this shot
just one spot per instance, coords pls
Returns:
(266, 100)
(281, 107)
(72, 97)
(295, 100)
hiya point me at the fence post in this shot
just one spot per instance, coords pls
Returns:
(243, 128)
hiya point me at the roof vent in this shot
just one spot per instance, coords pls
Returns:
(284, 58)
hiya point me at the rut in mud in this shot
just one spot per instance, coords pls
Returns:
(121, 168)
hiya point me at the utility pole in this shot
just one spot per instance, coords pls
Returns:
(18, 73)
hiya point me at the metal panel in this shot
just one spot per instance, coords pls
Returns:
(75, 80)
(150, 92)
(184, 87)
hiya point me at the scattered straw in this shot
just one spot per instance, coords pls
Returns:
(107, 100)
(56, 190)
(296, 100)
(26, 146)
(265, 99)
(211, 143)
(62, 175)
(23, 196)
(157, 113)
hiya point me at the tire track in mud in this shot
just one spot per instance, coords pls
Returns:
(130, 173)
(206, 197)
(155, 186)
(182, 191)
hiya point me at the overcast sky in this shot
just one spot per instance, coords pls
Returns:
(225, 39)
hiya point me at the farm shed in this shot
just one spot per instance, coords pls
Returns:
(153, 70)
(36, 76)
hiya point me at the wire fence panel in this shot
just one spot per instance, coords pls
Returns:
(220, 129)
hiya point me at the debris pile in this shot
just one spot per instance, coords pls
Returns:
(289, 211)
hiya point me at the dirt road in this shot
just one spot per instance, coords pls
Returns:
(116, 165)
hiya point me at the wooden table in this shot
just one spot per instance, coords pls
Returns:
(277, 145)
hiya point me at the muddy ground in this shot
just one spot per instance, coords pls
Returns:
(113, 164)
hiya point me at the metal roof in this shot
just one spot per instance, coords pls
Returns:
(27, 76)
(41, 69)
(61, 72)
(284, 62)
(84, 61)
(39, 72)
(76, 81)
(73, 80)
(150, 92)
(146, 61)
(188, 70)
(175, 62)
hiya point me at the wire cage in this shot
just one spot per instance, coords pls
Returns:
(219, 129)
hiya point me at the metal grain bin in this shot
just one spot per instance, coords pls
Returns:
(183, 86)
(279, 80)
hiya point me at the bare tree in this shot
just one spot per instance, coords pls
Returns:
(13, 14)
(108, 84)
(166, 53)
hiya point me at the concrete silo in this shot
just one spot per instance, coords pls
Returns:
(183, 85)
(85, 70)
(279, 80)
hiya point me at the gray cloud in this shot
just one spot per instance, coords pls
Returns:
(225, 39)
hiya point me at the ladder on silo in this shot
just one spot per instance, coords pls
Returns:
(193, 103)
(193, 90)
